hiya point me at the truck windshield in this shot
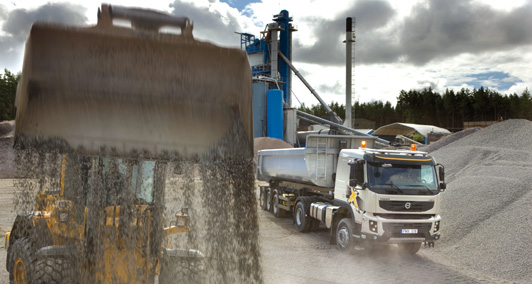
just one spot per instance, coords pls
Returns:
(402, 179)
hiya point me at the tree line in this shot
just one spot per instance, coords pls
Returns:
(8, 90)
(448, 110)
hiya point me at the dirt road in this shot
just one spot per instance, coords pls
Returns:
(291, 257)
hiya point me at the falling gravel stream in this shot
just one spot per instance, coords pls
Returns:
(216, 189)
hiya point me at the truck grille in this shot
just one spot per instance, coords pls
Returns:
(415, 206)
(394, 229)
(405, 216)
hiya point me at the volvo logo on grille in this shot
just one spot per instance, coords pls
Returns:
(408, 205)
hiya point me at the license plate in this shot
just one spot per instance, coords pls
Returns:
(409, 231)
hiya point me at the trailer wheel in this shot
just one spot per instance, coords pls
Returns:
(303, 222)
(409, 248)
(344, 235)
(262, 198)
(269, 204)
(21, 262)
(277, 212)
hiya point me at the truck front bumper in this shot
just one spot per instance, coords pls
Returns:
(375, 228)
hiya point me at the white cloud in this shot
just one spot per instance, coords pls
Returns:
(390, 71)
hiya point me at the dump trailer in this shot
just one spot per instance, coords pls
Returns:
(364, 196)
(116, 104)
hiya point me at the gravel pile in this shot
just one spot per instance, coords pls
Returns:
(449, 139)
(7, 156)
(264, 143)
(487, 207)
(6, 128)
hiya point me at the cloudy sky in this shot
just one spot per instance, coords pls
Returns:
(400, 45)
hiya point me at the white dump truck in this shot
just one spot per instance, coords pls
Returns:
(362, 195)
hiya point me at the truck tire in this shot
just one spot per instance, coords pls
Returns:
(409, 248)
(301, 214)
(277, 212)
(262, 198)
(315, 225)
(21, 262)
(345, 242)
(269, 205)
(54, 270)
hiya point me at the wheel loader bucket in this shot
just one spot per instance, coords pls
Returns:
(127, 88)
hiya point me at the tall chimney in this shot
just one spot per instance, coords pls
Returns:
(349, 39)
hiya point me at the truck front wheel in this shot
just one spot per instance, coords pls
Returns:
(410, 248)
(303, 222)
(345, 241)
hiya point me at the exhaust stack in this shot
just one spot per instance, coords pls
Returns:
(349, 39)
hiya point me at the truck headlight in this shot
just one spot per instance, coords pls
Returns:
(436, 226)
(373, 226)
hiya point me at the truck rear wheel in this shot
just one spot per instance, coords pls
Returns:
(315, 225)
(262, 198)
(277, 212)
(301, 218)
(409, 248)
(344, 235)
(21, 262)
(269, 204)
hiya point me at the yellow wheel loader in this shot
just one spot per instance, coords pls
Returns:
(110, 106)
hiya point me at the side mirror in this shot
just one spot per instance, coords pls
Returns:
(443, 186)
(441, 172)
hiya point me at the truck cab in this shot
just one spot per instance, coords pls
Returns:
(361, 195)
(392, 196)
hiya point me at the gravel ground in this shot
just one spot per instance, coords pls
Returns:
(486, 227)
(486, 209)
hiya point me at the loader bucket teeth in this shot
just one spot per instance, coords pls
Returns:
(123, 89)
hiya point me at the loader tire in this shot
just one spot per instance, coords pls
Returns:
(301, 215)
(54, 270)
(21, 262)
(180, 270)
(277, 212)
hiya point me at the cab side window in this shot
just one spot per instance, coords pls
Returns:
(356, 172)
